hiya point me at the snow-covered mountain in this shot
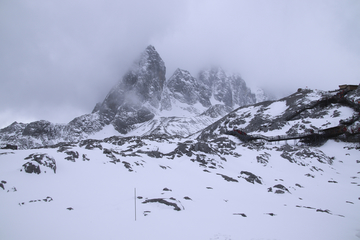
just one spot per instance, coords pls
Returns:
(134, 99)
(144, 102)
(210, 185)
(187, 158)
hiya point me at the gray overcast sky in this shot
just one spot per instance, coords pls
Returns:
(59, 58)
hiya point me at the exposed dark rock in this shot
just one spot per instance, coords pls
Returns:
(271, 214)
(187, 198)
(227, 178)
(6, 153)
(240, 214)
(167, 189)
(280, 189)
(36, 160)
(325, 211)
(85, 158)
(110, 154)
(10, 146)
(309, 175)
(128, 166)
(106, 151)
(64, 148)
(169, 202)
(250, 177)
(72, 155)
(153, 154)
(183, 148)
(186, 89)
(201, 147)
(200, 158)
(30, 167)
(298, 155)
(91, 144)
(41, 128)
(305, 207)
(124, 106)
(263, 158)
(146, 213)
(48, 199)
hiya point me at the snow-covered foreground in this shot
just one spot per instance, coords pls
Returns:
(245, 193)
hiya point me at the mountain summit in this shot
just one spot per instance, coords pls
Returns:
(145, 102)
(133, 99)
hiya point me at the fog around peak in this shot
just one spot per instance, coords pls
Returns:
(59, 58)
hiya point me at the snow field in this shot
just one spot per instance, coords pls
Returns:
(102, 197)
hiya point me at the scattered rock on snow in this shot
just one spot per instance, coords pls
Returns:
(72, 155)
(35, 160)
(85, 158)
(279, 189)
(227, 178)
(250, 177)
(263, 158)
(91, 144)
(172, 202)
(271, 214)
(47, 199)
(240, 214)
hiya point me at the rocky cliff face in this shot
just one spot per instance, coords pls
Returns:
(228, 89)
(183, 89)
(135, 97)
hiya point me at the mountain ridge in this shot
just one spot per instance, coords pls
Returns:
(144, 95)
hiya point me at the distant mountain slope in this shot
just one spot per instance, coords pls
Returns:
(304, 111)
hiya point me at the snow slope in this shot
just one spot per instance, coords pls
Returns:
(318, 196)
(207, 186)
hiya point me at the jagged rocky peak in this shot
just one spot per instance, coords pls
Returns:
(143, 83)
(138, 94)
(183, 87)
(228, 89)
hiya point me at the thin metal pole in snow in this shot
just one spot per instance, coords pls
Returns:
(135, 201)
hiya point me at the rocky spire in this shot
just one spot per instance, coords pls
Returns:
(135, 97)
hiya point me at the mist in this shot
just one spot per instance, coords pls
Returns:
(59, 58)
